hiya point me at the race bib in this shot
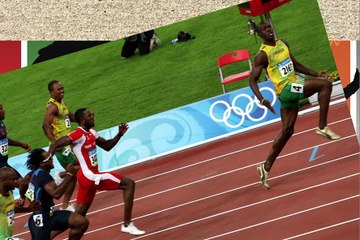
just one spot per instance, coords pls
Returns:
(67, 121)
(297, 88)
(30, 192)
(38, 220)
(4, 147)
(93, 157)
(52, 209)
(285, 67)
(10, 217)
(66, 151)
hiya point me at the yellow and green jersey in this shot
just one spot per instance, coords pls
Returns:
(280, 68)
(61, 124)
(7, 211)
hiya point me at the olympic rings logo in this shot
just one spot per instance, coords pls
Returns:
(242, 113)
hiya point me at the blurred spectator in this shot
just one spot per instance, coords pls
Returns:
(145, 42)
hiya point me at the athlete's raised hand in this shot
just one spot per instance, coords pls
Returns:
(267, 104)
(123, 127)
(26, 146)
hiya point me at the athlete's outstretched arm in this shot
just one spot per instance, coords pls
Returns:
(61, 142)
(109, 144)
(15, 143)
(57, 191)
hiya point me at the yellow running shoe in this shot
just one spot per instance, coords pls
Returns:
(264, 175)
(327, 132)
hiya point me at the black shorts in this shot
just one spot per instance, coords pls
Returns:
(144, 47)
(140, 41)
(5, 164)
(129, 48)
(41, 225)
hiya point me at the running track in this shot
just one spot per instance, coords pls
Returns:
(213, 192)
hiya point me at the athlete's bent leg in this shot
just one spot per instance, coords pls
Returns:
(78, 224)
(128, 186)
(82, 209)
(288, 118)
(323, 87)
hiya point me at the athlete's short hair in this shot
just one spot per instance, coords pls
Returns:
(51, 84)
(35, 157)
(79, 114)
(4, 172)
(257, 29)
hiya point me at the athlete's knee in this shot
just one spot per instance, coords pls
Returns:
(127, 183)
(327, 85)
(131, 183)
(79, 222)
(84, 224)
(288, 131)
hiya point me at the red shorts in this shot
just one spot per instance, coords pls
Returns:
(87, 188)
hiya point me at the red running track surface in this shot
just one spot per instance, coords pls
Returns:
(213, 192)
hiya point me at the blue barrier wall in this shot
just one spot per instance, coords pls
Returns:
(182, 127)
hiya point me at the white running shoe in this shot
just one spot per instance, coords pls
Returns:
(58, 180)
(264, 175)
(69, 208)
(131, 229)
(328, 133)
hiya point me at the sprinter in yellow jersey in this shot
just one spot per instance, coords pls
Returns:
(275, 57)
(56, 124)
(8, 206)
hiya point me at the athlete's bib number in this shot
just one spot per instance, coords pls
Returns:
(10, 217)
(285, 67)
(297, 88)
(30, 192)
(66, 151)
(4, 147)
(38, 220)
(93, 157)
(67, 121)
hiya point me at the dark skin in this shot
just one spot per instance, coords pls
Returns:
(126, 184)
(20, 185)
(8, 182)
(77, 223)
(318, 84)
(52, 111)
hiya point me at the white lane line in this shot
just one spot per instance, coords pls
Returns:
(225, 155)
(324, 228)
(225, 192)
(241, 150)
(225, 212)
(283, 217)
(217, 194)
(229, 172)
(211, 177)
